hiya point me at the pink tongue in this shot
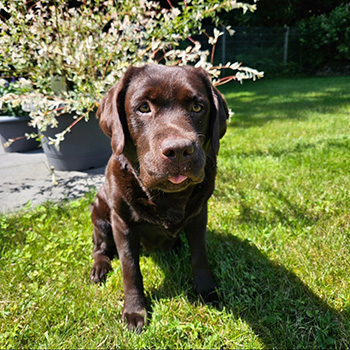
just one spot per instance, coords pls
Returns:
(177, 179)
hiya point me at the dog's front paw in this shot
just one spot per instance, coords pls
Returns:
(206, 289)
(102, 266)
(210, 297)
(135, 319)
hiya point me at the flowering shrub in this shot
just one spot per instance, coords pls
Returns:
(88, 48)
(13, 88)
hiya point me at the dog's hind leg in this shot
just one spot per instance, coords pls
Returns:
(104, 245)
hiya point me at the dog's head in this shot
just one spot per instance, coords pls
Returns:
(166, 120)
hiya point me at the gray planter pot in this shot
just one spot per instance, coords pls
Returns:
(12, 127)
(85, 147)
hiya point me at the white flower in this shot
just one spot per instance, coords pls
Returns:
(3, 82)
(175, 12)
(24, 82)
(217, 34)
(230, 30)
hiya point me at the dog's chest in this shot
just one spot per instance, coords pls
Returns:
(161, 228)
(169, 214)
(157, 237)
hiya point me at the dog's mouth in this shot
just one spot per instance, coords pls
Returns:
(178, 179)
(177, 183)
(170, 177)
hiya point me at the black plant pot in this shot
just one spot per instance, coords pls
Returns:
(85, 147)
(13, 127)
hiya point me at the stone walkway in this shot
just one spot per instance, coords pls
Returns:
(27, 177)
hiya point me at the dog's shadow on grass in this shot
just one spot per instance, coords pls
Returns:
(280, 309)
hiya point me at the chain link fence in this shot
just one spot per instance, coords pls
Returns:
(272, 50)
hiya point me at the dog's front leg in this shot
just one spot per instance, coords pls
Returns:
(196, 237)
(128, 245)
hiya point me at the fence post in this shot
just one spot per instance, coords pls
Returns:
(286, 39)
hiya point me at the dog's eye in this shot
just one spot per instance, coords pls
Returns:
(144, 108)
(196, 108)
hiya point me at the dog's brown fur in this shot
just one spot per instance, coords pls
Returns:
(165, 124)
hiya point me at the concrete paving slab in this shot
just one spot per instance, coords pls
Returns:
(26, 177)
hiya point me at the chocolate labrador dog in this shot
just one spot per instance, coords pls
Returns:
(165, 124)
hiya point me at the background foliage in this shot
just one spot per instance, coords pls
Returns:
(278, 13)
(325, 39)
(320, 26)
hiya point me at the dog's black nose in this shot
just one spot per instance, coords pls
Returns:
(177, 150)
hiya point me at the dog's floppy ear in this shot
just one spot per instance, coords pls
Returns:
(218, 113)
(111, 112)
(219, 116)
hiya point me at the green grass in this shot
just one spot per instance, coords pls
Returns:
(278, 241)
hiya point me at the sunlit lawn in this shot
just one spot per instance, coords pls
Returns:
(278, 241)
